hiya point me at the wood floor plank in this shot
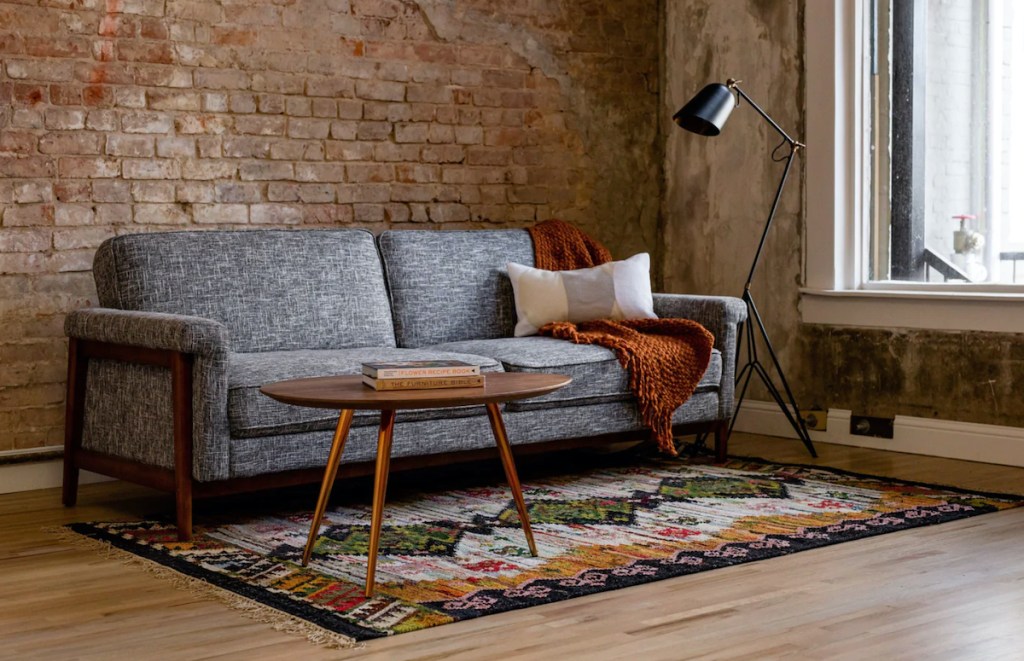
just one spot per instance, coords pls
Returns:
(952, 591)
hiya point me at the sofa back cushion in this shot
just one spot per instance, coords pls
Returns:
(449, 286)
(273, 289)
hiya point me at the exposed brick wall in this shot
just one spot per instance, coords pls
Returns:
(140, 115)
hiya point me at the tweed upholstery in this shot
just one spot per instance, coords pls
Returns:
(260, 306)
(251, 413)
(448, 286)
(272, 289)
(128, 406)
(267, 454)
(596, 374)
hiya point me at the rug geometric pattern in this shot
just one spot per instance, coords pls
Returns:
(459, 554)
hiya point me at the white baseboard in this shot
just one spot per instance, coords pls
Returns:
(993, 444)
(45, 474)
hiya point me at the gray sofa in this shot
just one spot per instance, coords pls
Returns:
(164, 376)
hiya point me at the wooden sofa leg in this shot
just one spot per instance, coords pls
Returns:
(181, 396)
(721, 441)
(74, 416)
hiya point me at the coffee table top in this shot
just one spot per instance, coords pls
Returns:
(348, 392)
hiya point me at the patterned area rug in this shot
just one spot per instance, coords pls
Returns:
(461, 554)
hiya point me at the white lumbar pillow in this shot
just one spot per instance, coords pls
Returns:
(613, 290)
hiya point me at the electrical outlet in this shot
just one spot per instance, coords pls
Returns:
(815, 419)
(866, 425)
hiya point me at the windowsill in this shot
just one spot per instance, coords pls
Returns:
(995, 312)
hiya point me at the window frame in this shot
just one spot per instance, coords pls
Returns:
(837, 289)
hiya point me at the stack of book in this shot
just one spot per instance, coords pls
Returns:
(422, 375)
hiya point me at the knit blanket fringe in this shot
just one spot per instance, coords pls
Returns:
(665, 358)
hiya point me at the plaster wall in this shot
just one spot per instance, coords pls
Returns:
(717, 193)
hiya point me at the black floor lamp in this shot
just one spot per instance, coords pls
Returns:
(706, 114)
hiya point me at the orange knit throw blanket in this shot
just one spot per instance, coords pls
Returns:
(665, 358)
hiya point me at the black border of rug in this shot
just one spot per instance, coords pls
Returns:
(661, 570)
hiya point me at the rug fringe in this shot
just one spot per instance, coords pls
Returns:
(254, 610)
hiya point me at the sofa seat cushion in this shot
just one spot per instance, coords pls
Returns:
(251, 413)
(597, 376)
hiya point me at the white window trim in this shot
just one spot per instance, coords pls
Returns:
(836, 238)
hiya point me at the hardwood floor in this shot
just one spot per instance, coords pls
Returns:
(953, 591)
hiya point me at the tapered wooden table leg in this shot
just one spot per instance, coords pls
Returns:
(333, 461)
(380, 487)
(505, 450)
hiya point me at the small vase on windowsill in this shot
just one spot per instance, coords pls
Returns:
(967, 247)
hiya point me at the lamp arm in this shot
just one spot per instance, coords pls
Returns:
(771, 214)
(734, 84)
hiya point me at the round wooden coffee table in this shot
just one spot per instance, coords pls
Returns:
(347, 393)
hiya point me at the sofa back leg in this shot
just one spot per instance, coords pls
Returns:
(181, 397)
(74, 415)
(721, 440)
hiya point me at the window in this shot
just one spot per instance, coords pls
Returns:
(840, 282)
(946, 159)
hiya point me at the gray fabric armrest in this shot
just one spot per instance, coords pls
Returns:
(720, 315)
(716, 313)
(128, 405)
(154, 330)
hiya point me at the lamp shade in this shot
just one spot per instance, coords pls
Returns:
(706, 113)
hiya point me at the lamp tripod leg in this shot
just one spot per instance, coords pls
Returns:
(790, 408)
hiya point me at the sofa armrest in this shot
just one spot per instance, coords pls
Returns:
(128, 410)
(716, 313)
(721, 315)
(153, 330)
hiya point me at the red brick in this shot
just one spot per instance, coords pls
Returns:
(21, 215)
(277, 214)
(308, 128)
(153, 191)
(222, 214)
(390, 152)
(348, 151)
(66, 95)
(25, 240)
(26, 192)
(84, 167)
(246, 147)
(146, 122)
(319, 172)
(171, 147)
(145, 168)
(70, 143)
(156, 52)
(204, 169)
(261, 125)
(129, 145)
(113, 214)
(417, 173)
(194, 192)
(173, 100)
(373, 130)
(235, 192)
(17, 142)
(74, 214)
(161, 214)
(68, 190)
(362, 173)
(80, 237)
(380, 90)
(263, 171)
(62, 119)
(359, 193)
(41, 70)
(111, 191)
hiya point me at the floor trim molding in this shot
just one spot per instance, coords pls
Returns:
(31, 475)
(969, 441)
